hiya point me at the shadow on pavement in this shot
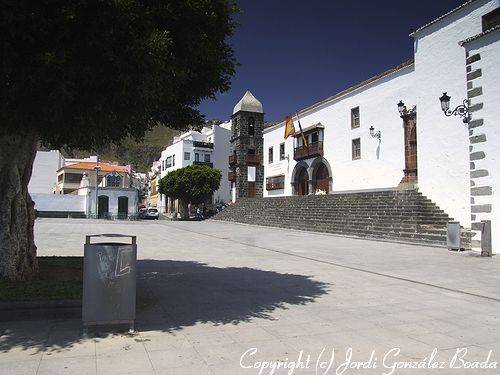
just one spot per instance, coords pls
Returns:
(176, 294)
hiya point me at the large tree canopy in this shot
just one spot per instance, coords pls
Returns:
(84, 73)
(192, 184)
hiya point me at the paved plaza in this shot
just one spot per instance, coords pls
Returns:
(213, 297)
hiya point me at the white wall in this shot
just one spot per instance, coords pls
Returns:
(488, 48)
(113, 194)
(59, 203)
(443, 142)
(44, 175)
(381, 164)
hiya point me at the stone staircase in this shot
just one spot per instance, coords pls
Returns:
(392, 215)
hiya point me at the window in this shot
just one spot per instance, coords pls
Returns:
(251, 126)
(168, 163)
(270, 155)
(163, 165)
(73, 177)
(275, 182)
(314, 137)
(207, 158)
(282, 151)
(187, 155)
(355, 118)
(491, 19)
(356, 149)
(196, 156)
(173, 160)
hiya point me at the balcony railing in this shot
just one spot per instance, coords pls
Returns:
(232, 159)
(203, 163)
(231, 176)
(203, 144)
(252, 159)
(312, 150)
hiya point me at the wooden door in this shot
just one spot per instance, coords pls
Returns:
(251, 189)
(303, 183)
(322, 178)
(410, 134)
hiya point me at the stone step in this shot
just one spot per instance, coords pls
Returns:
(390, 215)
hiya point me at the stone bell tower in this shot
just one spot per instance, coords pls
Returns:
(246, 151)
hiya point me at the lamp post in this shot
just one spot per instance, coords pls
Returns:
(462, 110)
(96, 169)
(375, 134)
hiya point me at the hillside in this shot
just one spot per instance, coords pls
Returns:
(140, 154)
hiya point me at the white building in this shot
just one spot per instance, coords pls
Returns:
(422, 148)
(45, 166)
(210, 147)
(63, 187)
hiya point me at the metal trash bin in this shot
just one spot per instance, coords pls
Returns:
(109, 281)
(453, 236)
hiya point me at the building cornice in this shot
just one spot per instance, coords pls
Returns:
(472, 38)
(441, 17)
(346, 92)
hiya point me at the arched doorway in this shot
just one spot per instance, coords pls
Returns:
(302, 182)
(321, 175)
(103, 205)
(300, 179)
(122, 207)
(322, 178)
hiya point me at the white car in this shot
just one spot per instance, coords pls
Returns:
(151, 213)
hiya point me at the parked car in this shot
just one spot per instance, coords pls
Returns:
(149, 213)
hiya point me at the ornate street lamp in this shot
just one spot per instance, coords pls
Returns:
(375, 134)
(401, 108)
(403, 111)
(462, 110)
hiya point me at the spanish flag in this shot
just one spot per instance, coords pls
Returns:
(289, 128)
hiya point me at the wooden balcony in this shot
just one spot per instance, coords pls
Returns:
(232, 159)
(231, 176)
(201, 144)
(252, 159)
(275, 183)
(311, 151)
(207, 163)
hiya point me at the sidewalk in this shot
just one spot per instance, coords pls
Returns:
(209, 292)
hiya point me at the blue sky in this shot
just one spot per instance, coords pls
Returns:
(294, 52)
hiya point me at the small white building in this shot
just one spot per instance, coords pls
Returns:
(359, 140)
(210, 146)
(63, 187)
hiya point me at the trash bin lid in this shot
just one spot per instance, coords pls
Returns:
(110, 235)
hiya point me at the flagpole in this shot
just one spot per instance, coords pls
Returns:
(301, 132)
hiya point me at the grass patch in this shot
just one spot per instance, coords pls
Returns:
(58, 278)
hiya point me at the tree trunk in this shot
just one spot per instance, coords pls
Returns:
(184, 208)
(17, 215)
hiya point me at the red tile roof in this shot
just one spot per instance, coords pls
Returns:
(105, 167)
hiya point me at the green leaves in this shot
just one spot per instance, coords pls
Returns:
(88, 73)
(193, 184)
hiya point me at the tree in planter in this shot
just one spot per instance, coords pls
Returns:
(193, 184)
(88, 73)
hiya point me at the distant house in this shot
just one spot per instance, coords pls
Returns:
(70, 176)
(210, 147)
(67, 187)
